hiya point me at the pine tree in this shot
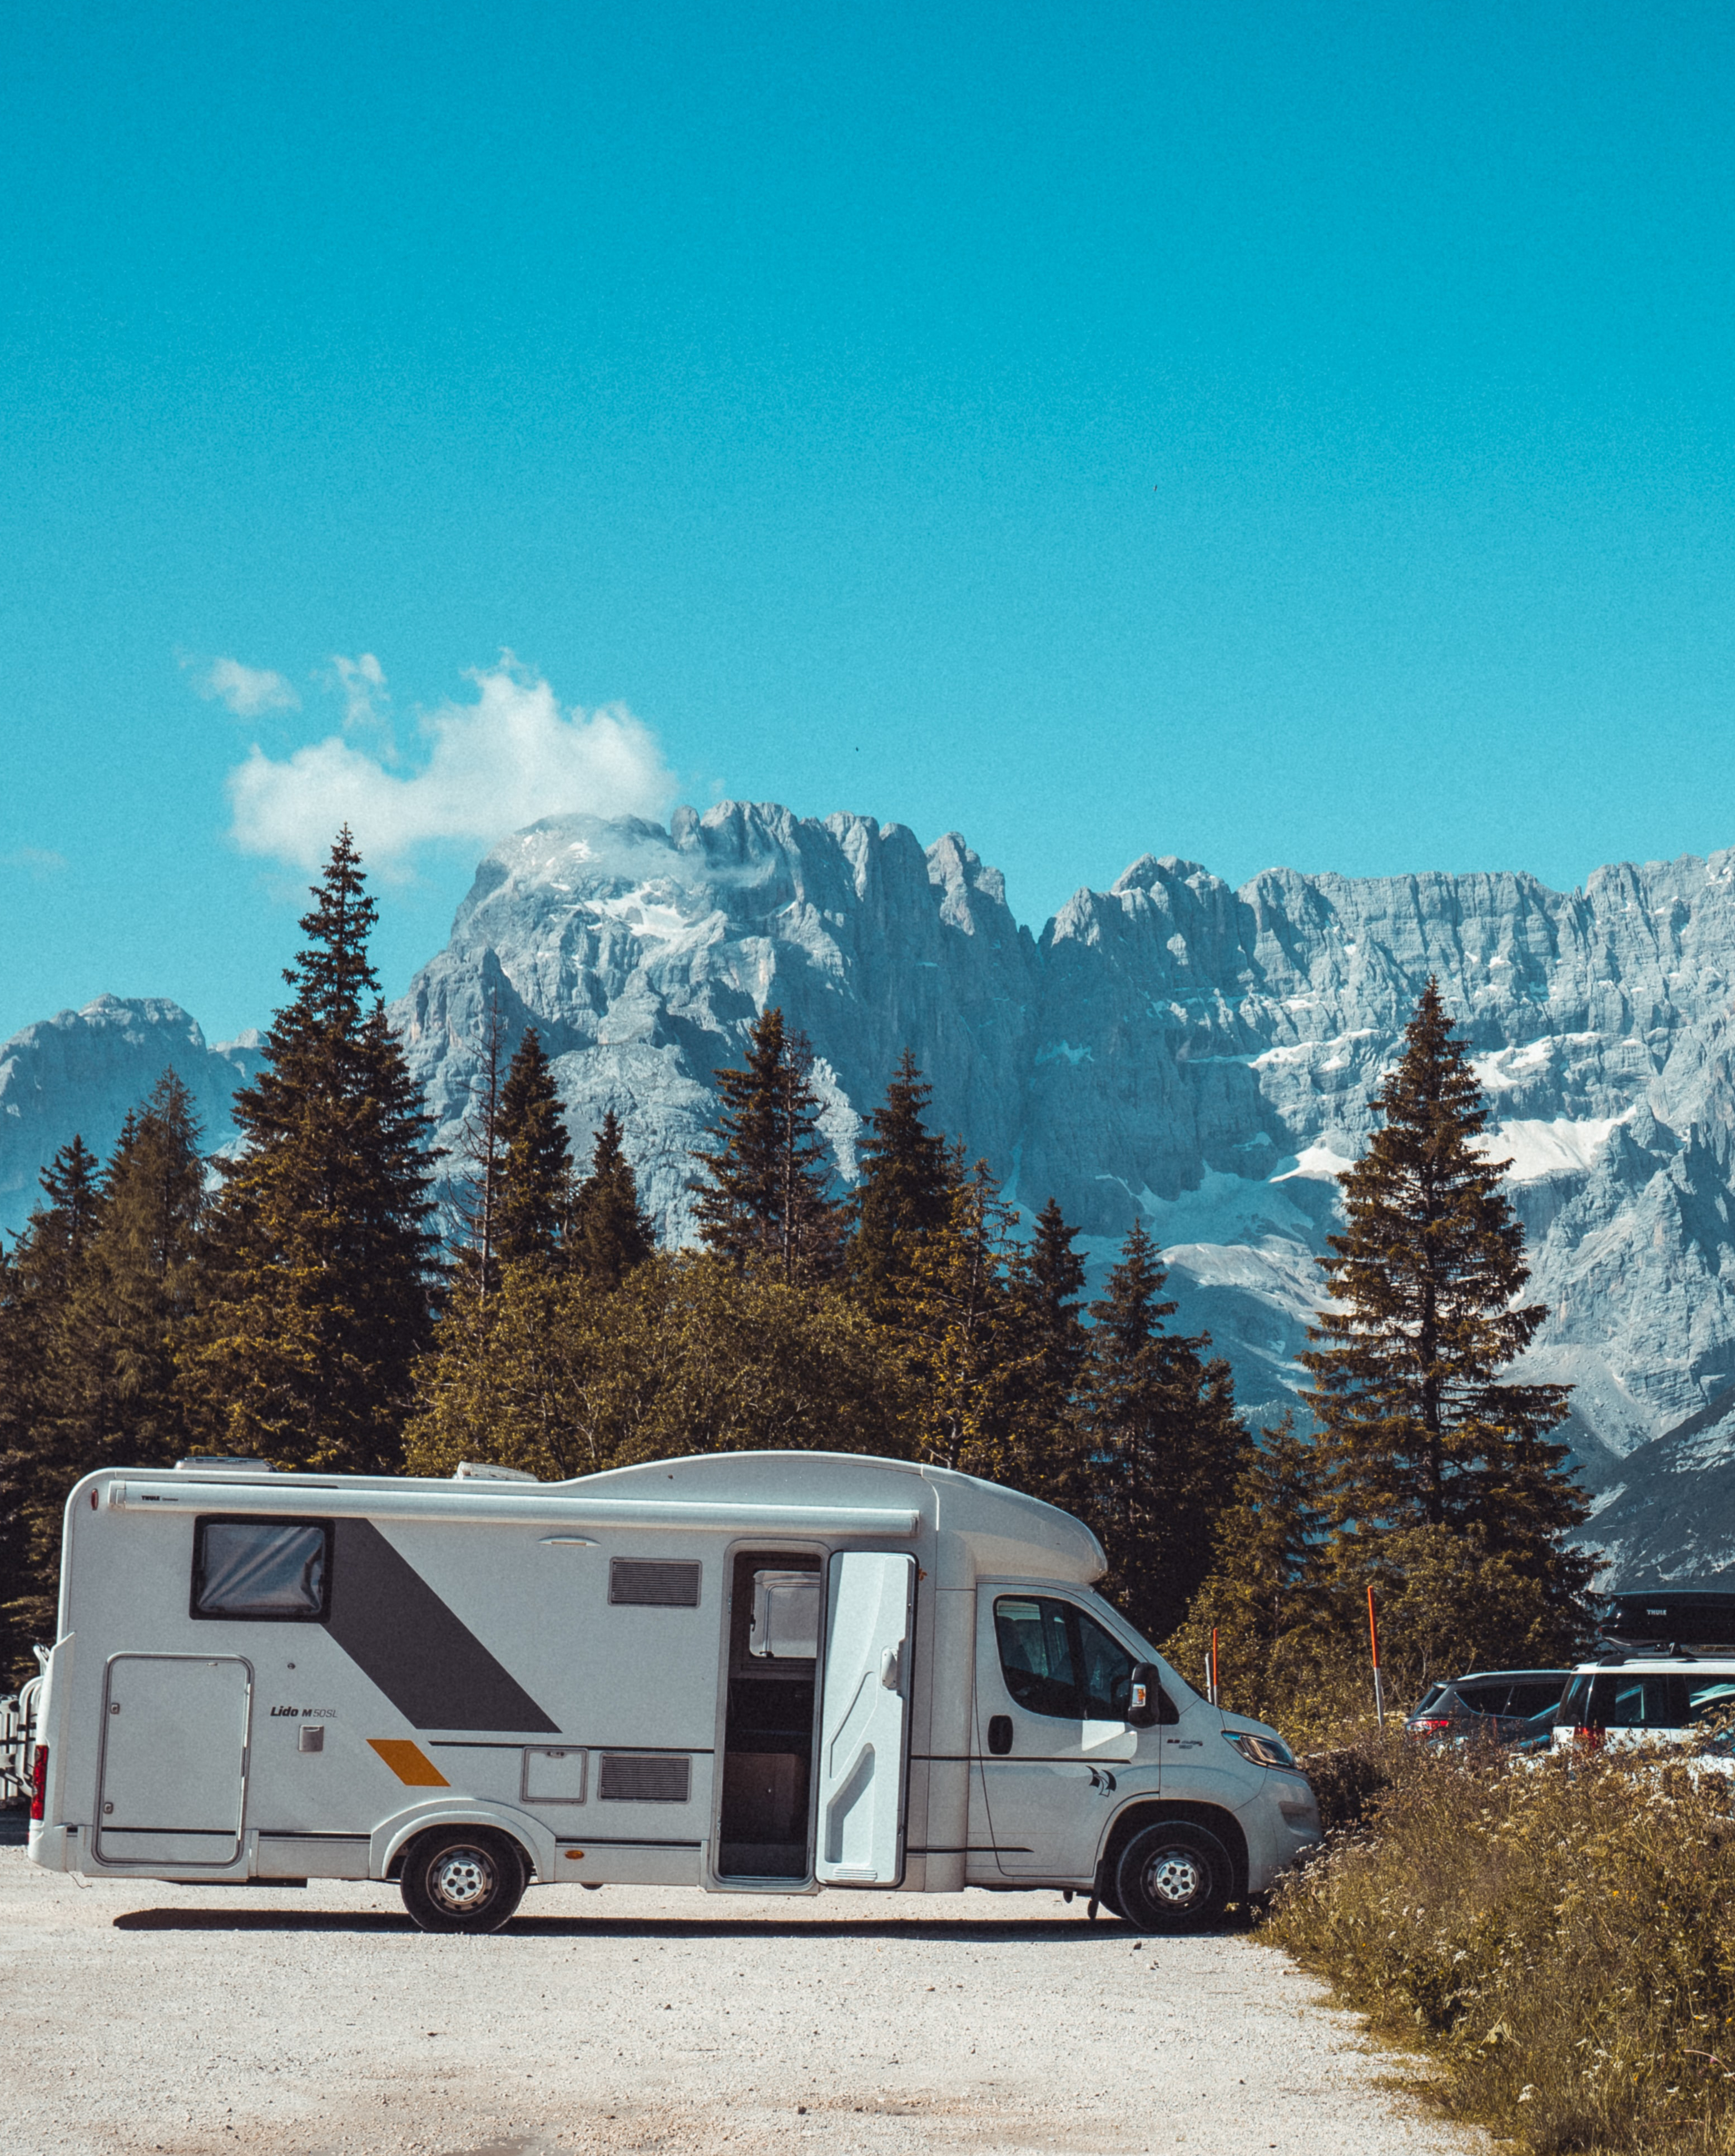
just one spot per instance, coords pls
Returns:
(59, 1231)
(904, 1193)
(767, 1200)
(1419, 1428)
(136, 1290)
(537, 1184)
(1048, 1278)
(317, 1269)
(39, 1281)
(1166, 1446)
(1267, 1594)
(966, 1363)
(608, 1232)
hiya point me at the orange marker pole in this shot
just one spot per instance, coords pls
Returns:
(1374, 1645)
(1214, 1701)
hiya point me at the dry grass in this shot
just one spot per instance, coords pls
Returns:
(1558, 1938)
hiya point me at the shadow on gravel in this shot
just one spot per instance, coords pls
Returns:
(1064, 1931)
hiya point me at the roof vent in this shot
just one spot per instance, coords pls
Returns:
(479, 1470)
(224, 1463)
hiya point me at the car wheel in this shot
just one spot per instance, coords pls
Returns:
(1172, 1876)
(463, 1879)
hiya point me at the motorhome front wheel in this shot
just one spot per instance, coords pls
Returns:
(461, 1879)
(1172, 1878)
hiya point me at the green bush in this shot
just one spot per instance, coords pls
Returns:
(1556, 1934)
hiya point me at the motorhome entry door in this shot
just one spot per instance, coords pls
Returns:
(864, 1718)
(174, 1759)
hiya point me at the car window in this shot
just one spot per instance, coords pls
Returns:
(1534, 1695)
(1486, 1696)
(1106, 1668)
(1709, 1695)
(1627, 1701)
(1035, 1654)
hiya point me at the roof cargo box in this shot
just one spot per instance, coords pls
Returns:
(1672, 1616)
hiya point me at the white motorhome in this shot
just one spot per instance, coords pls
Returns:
(751, 1672)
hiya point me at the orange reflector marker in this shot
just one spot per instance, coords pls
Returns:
(572, 1854)
(409, 1763)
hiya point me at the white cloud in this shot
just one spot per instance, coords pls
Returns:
(491, 767)
(361, 683)
(248, 690)
(40, 862)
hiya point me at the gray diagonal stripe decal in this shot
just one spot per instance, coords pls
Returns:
(426, 1659)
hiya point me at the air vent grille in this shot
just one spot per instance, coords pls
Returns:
(644, 1777)
(653, 1583)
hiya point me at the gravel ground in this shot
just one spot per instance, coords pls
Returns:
(191, 2019)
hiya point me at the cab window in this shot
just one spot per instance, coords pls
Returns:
(1036, 1653)
(1057, 1661)
(1106, 1669)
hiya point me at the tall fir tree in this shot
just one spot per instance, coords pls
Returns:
(40, 1281)
(1267, 1596)
(537, 1182)
(137, 1289)
(767, 1200)
(1420, 1428)
(318, 1267)
(903, 1193)
(1047, 1281)
(1166, 1446)
(608, 1232)
(966, 1362)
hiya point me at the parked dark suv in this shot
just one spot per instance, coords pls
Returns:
(1505, 1706)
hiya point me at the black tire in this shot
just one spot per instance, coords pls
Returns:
(463, 1879)
(1174, 1877)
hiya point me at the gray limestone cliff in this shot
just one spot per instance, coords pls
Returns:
(80, 1072)
(1170, 1049)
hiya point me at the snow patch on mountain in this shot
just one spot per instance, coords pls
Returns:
(1171, 1050)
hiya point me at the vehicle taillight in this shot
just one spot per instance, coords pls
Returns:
(1430, 1725)
(1589, 1734)
(40, 1783)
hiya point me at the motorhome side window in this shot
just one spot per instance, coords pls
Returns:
(256, 1569)
(1057, 1661)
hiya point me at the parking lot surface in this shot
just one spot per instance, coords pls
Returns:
(185, 2020)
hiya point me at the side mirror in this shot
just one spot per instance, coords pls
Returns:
(1147, 1702)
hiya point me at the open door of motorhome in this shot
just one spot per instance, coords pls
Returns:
(864, 1719)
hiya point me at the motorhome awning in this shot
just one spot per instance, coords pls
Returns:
(517, 1505)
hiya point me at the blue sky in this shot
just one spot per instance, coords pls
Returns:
(1266, 433)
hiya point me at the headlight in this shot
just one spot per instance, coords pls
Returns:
(1262, 1749)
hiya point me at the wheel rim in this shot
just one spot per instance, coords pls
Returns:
(1176, 1878)
(461, 1879)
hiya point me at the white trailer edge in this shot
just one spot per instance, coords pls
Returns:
(749, 1672)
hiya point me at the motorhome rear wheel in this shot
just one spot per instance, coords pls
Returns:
(1172, 1878)
(455, 1878)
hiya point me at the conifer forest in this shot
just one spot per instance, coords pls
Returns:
(331, 1293)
